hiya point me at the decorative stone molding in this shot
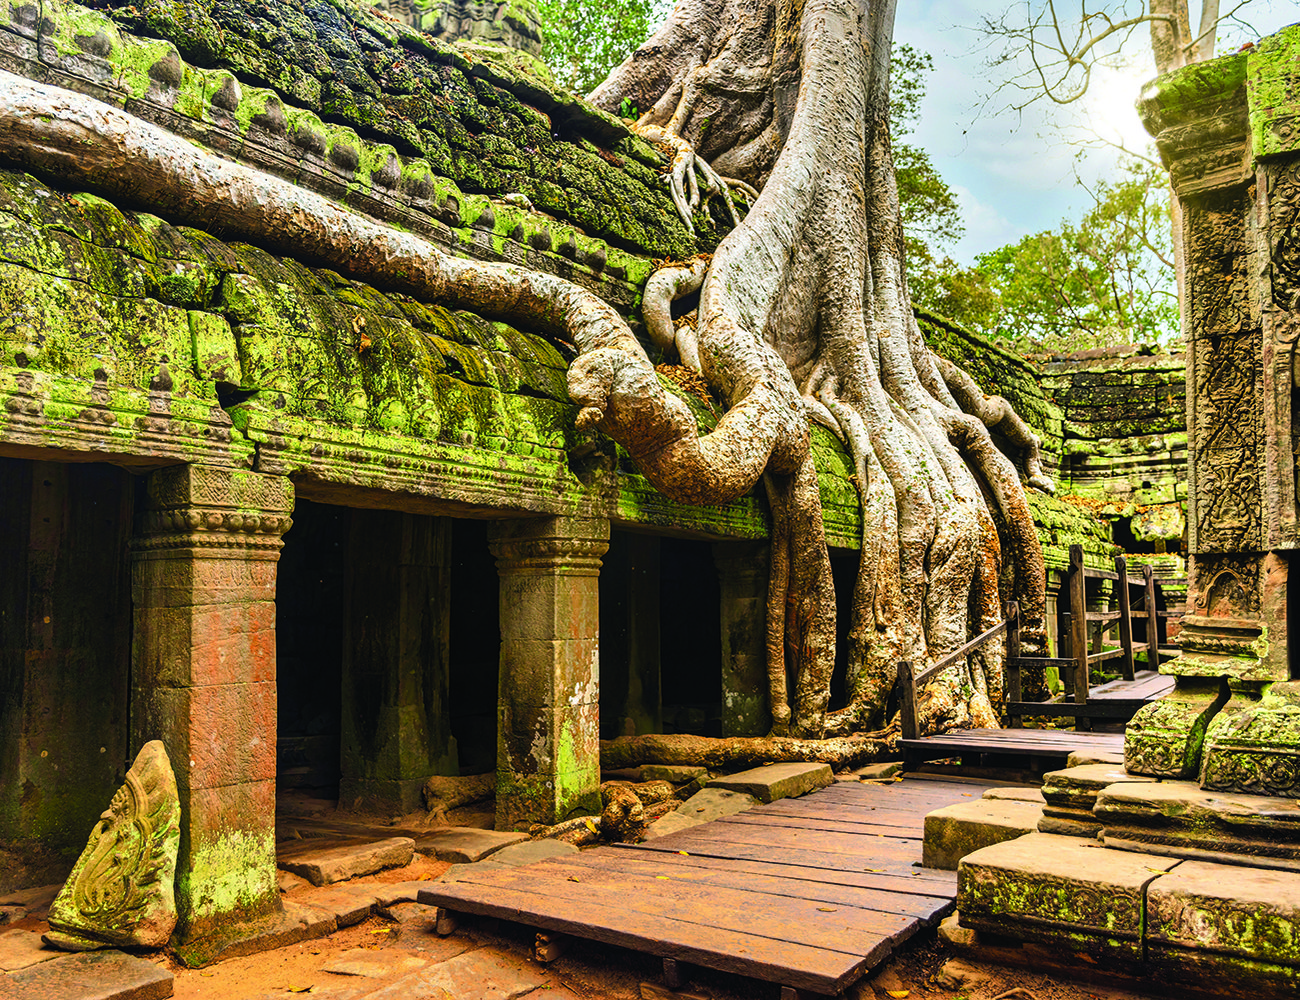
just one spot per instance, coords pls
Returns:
(553, 549)
(120, 891)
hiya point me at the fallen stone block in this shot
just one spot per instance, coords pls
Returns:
(375, 964)
(1070, 892)
(879, 772)
(295, 924)
(337, 864)
(713, 803)
(22, 948)
(777, 781)
(463, 844)
(389, 893)
(957, 830)
(474, 975)
(93, 975)
(528, 851)
(133, 902)
(347, 906)
(670, 822)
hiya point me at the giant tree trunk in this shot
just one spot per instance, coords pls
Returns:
(804, 315)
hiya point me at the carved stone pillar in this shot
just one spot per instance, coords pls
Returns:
(742, 573)
(203, 681)
(396, 730)
(548, 711)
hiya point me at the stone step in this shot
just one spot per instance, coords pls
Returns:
(1054, 889)
(1181, 819)
(777, 781)
(1070, 794)
(1016, 794)
(90, 975)
(955, 831)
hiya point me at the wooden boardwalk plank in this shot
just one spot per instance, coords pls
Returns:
(667, 936)
(675, 866)
(926, 882)
(808, 893)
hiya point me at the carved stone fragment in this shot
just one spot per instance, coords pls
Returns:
(121, 890)
(1255, 750)
(1164, 739)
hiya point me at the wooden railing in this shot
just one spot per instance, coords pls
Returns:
(1085, 631)
(909, 681)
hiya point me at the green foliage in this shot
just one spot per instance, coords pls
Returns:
(1105, 280)
(585, 41)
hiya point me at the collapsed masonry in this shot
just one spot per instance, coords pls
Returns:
(257, 504)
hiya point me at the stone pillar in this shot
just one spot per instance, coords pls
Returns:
(203, 681)
(395, 725)
(629, 610)
(548, 710)
(742, 572)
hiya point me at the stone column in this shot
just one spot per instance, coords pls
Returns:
(548, 710)
(395, 726)
(203, 681)
(742, 571)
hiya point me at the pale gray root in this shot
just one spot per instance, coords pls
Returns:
(996, 412)
(737, 753)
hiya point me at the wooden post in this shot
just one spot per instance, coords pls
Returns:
(1153, 620)
(907, 702)
(1125, 618)
(1013, 691)
(1079, 632)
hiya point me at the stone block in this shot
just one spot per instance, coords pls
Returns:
(1013, 794)
(678, 774)
(528, 851)
(1054, 889)
(1078, 758)
(91, 975)
(1078, 787)
(777, 781)
(714, 803)
(346, 905)
(275, 930)
(957, 830)
(1165, 738)
(1229, 929)
(1253, 750)
(671, 822)
(388, 894)
(1179, 818)
(463, 844)
(22, 948)
(474, 975)
(371, 964)
(879, 772)
(337, 864)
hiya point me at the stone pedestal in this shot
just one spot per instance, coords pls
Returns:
(203, 659)
(396, 728)
(742, 572)
(548, 725)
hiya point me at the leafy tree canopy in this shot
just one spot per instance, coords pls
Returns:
(1106, 279)
(586, 41)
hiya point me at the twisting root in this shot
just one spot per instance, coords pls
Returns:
(681, 176)
(994, 411)
(664, 287)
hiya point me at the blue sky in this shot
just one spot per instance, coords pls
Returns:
(1015, 174)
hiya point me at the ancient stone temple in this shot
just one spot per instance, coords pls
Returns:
(1197, 876)
(313, 531)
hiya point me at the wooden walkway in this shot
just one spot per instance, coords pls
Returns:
(1041, 749)
(809, 893)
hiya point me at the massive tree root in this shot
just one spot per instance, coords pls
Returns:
(792, 99)
(803, 316)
